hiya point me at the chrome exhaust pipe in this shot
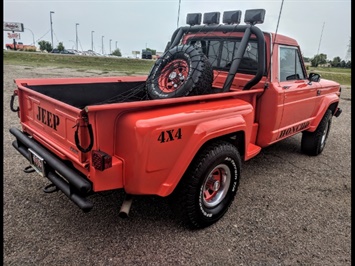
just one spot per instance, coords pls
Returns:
(126, 206)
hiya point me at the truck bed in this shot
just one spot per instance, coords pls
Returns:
(81, 95)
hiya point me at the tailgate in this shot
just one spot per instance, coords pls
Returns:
(52, 123)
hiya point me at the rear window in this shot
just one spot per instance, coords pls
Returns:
(221, 53)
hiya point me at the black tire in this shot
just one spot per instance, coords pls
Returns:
(209, 185)
(181, 71)
(313, 143)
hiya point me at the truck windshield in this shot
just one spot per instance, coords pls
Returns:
(221, 52)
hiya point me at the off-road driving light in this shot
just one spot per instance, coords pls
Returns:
(211, 18)
(193, 19)
(232, 17)
(254, 16)
(101, 160)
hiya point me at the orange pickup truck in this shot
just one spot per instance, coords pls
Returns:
(219, 94)
(20, 46)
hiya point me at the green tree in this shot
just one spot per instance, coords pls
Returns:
(306, 59)
(60, 46)
(348, 64)
(117, 52)
(319, 59)
(45, 46)
(336, 62)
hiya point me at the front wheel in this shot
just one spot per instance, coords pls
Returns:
(313, 143)
(209, 185)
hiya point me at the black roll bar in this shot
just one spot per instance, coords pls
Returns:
(248, 31)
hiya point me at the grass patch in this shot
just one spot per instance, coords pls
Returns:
(340, 75)
(81, 63)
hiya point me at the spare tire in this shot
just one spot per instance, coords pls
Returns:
(181, 71)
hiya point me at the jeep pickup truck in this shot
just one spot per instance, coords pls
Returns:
(219, 94)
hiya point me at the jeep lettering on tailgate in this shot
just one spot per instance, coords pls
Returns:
(48, 118)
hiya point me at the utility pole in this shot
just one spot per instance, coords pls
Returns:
(348, 52)
(102, 39)
(110, 45)
(116, 45)
(76, 30)
(92, 40)
(50, 15)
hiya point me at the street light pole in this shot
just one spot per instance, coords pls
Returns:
(110, 45)
(102, 40)
(92, 40)
(76, 30)
(50, 15)
(116, 45)
(33, 36)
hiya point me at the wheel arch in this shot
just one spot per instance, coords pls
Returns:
(331, 102)
(236, 138)
(333, 107)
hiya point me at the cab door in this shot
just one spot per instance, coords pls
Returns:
(298, 93)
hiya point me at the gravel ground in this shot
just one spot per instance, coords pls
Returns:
(290, 209)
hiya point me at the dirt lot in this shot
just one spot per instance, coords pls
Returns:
(290, 209)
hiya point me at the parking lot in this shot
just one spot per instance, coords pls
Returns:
(291, 209)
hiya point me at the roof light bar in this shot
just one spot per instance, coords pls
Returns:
(193, 19)
(232, 17)
(254, 16)
(211, 18)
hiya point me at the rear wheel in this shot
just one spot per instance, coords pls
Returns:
(313, 143)
(209, 185)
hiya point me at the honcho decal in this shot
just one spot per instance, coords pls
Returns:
(170, 135)
(47, 118)
(294, 129)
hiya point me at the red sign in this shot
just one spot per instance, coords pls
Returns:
(13, 35)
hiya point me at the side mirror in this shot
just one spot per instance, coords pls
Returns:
(314, 77)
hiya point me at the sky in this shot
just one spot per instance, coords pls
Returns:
(132, 25)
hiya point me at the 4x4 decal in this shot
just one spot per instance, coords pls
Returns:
(169, 135)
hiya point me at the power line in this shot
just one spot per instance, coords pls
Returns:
(39, 39)
(55, 37)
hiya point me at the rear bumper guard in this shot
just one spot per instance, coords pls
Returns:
(65, 178)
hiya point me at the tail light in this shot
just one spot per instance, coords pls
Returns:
(101, 160)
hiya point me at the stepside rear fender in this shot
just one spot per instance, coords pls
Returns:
(330, 101)
(158, 145)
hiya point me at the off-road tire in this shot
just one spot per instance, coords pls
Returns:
(313, 143)
(181, 71)
(200, 199)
